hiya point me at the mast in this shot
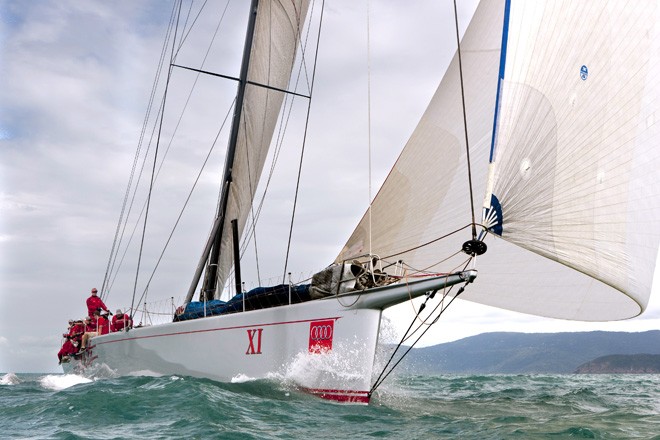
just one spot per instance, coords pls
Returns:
(213, 244)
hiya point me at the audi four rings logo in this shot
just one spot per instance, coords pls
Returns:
(320, 332)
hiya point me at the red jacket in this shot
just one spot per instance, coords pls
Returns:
(119, 322)
(67, 349)
(93, 303)
(103, 325)
(76, 330)
(91, 326)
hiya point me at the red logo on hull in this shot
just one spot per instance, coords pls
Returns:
(320, 335)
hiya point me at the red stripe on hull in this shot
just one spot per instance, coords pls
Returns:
(344, 396)
(263, 324)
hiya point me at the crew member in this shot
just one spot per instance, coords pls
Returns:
(67, 349)
(90, 332)
(94, 302)
(121, 321)
(76, 331)
(102, 323)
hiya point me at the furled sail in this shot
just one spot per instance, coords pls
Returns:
(277, 35)
(575, 166)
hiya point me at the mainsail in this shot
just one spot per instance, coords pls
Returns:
(273, 53)
(565, 94)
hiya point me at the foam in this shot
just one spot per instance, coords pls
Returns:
(242, 378)
(9, 379)
(59, 382)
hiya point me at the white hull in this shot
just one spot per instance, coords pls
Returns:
(326, 346)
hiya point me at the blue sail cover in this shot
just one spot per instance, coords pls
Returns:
(258, 298)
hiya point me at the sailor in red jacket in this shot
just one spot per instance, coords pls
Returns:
(67, 350)
(94, 303)
(121, 321)
(102, 324)
(90, 331)
(76, 331)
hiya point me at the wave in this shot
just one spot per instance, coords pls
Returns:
(172, 407)
(58, 382)
(9, 379)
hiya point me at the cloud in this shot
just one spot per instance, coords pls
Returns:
(76, 82)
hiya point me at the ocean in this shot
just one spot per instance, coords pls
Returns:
(57, 406)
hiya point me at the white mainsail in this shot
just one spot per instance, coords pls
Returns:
(277, 35)
(575, 169)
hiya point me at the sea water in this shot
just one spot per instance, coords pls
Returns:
(147, 406)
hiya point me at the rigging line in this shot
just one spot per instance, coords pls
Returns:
(150, 106)
(440, 304)
(252, 190)
(378, 383)
(153, 171)
(303, 61)
(279, 142)
(187, 32)
(380, 380)
(233, 78)
(144, 162)
(424, 270)
(430, 242)
(427, 268)
(369, 115)
(403, 338)
(406, 335)
(253, 228)
(112, 256)
(302, 151)
(283, 124)
(185, 23)
(208, 155)
(467, 144)
(176, 128)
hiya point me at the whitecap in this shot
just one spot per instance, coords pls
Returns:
(147, 373)
(9, 379)
(59, 382)
(242, 378)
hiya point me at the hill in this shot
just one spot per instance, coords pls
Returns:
(621, 363)
(523, 353)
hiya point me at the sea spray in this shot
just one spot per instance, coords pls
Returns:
(9, 379)
(57, 382)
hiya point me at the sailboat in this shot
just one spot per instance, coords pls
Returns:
(531, 183)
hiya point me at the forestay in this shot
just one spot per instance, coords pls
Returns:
(575, 166)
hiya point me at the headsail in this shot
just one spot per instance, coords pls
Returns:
(575, 166)
(277, 35)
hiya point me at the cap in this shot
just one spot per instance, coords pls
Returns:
(118, 312)
(94, 290)
(86, 318)
(70, 321)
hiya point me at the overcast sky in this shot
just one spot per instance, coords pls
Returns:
(76, 79)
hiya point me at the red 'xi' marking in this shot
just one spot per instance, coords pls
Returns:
(320, 335)
(251, 332)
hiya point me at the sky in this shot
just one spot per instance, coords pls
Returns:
(76, 81)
